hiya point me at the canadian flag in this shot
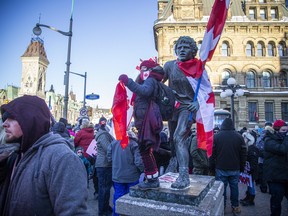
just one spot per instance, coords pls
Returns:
(122, 113)
(202, 86)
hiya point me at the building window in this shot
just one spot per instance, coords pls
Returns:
(250, 79)
(263, 14)
(252, 14)
(225, 77)
(225, 49)
(283, 80)
(274, 13)
(260, 48)
(281, 49)
(252, 111)
(249, 49)
(269, 111)
(284, 111)
(199, 45)
(262, 1)
(266, 79)
(271, 49)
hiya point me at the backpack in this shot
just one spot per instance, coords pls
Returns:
(165, 99)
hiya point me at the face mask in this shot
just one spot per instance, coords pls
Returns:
(144, 74)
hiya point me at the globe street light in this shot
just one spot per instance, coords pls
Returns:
(37, 31)
(231, 90)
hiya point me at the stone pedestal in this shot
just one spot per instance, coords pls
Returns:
(204, 196)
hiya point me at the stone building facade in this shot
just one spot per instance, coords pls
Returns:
(252, 49)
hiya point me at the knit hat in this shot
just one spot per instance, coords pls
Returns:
(268, 123)
(149, 64)
(64, 121)
(278, 124)
(102, 121)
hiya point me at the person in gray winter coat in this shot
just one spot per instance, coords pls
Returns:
(103, 168)
(127, 166)
(47, 177)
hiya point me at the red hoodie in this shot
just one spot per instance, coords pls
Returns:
(83, 138)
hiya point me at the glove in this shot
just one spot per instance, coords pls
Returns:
(194, 106)
(123, 78)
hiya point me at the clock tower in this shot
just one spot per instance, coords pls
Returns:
(34, 68)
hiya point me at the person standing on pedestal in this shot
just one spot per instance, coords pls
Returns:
(147, 116)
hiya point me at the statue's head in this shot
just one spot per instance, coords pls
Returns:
(185, 48)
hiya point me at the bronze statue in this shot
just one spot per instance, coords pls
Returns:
(177, 72)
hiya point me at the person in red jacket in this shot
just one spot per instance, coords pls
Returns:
(84, 137)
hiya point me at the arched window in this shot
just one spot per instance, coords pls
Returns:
(225, 76)
(260, 49)
(283, 79)
(249, 49)
(281, 49)
(250, 79)
(266, 79)
(271, 49)
(225, 49)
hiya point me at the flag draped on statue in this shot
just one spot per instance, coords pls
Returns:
(203, 89)
(122, 114)
(198, 79)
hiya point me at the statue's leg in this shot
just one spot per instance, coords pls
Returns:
(173, 164)
(181, 134)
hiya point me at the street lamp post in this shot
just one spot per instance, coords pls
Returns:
(231, 90)
(85, 79)
(37, 31)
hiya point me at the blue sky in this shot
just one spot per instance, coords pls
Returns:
(108, 39)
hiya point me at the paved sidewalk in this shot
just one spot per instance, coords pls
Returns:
(262, 204)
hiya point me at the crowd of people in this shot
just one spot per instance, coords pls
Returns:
(45, 166)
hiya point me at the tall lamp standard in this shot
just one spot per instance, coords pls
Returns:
(231, 90)
(85, 78)
(37, 31)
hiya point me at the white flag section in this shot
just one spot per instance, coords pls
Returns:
(92, 148)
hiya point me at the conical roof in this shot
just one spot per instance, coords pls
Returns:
(36, 49)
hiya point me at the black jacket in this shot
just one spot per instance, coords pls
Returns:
(229, 149)
(252, 158)
(275, 163)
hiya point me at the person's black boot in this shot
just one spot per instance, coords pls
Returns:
(250, 201)
(263, 189)
(149, 184)
(246, 198)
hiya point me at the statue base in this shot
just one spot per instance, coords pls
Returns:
(204, 196)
